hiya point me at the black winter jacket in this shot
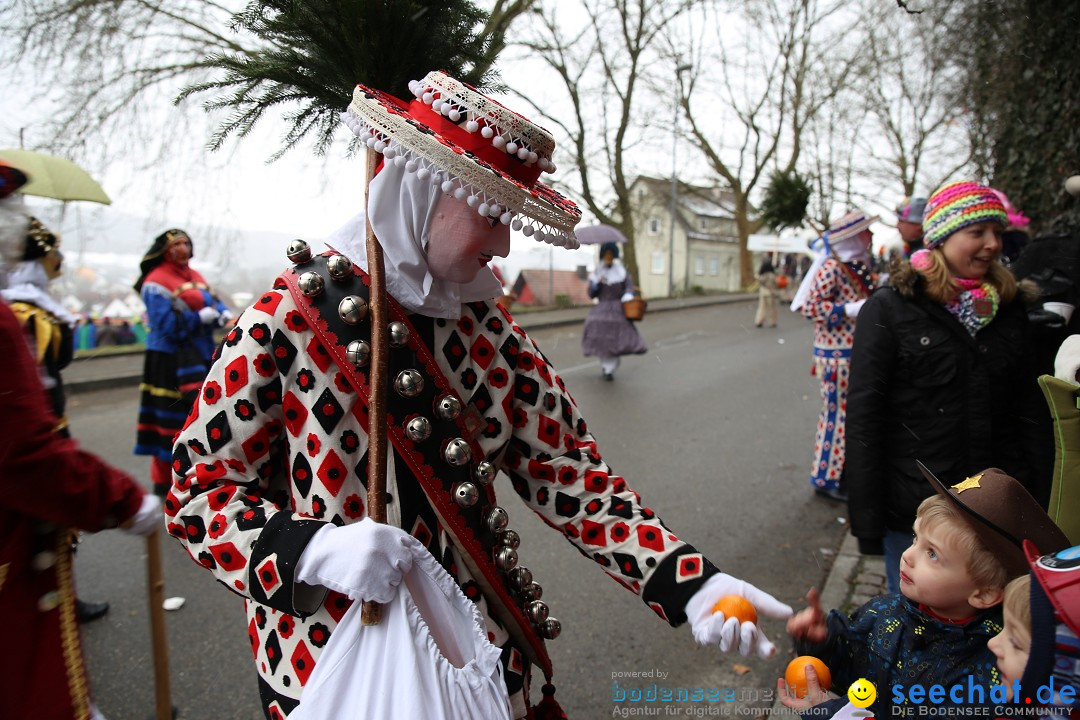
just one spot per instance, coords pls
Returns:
(922, 388)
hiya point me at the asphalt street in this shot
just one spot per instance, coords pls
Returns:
(714, 427)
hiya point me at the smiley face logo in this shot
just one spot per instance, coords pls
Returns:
(862, 693)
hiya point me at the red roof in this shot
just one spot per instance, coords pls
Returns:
(540, 287)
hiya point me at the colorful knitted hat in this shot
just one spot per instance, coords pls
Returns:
(958, 205)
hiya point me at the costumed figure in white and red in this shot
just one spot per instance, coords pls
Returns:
(269, 491)
(48, 487)
(831, 295)
(182, 314)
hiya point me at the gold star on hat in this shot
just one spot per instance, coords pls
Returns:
(968, 484)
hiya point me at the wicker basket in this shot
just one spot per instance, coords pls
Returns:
(634, 309)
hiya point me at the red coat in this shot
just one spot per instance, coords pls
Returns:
(47, 485)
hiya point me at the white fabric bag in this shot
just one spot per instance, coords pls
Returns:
(429, 658)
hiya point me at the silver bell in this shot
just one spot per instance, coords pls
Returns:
(409, 383)
(339, 267)
(311, 284)
(520, 577)
(537, 612)
(448, 407)
(418, 429)
(506, 559)
(358, 352)
(466, 494)
(352, 308)
(497, 518)
(457, 452)
(484, 472)
(509, 538)
(399, 334)
(298, 252)
(532, 592)
(551, 628)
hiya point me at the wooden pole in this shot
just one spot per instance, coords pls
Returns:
(159, 639)
(371, 613)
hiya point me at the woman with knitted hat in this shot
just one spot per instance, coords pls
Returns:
(268, 489)
(939, 373)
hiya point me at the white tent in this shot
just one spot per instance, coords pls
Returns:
(117, 308)
(788, 243)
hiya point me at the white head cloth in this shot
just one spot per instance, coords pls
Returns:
(14, 223)
(848, 249)
(28, 282)
(401, 206)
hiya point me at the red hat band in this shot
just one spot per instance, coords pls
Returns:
(475, 143)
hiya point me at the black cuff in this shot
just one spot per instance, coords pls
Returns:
(272, 568)
(674, 582)
(871, 546)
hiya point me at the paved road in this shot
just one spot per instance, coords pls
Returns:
(714, 427)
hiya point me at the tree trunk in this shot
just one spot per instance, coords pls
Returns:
(742, 224)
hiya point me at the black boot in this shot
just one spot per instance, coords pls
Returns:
(835, 494)
(88, 612)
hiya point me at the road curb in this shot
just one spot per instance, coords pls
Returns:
(572, 316)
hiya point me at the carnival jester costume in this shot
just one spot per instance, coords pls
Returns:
(268, 491)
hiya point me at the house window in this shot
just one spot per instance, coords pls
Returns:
(654, 225)
(640, 194)
(699, 265)
(658, 263)
(714, 265)
(703, 223)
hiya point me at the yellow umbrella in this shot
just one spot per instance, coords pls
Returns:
(55, 177)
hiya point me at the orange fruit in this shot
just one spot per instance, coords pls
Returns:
(795, 675)
(736, 606)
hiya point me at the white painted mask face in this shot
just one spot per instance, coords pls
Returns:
(461, 241)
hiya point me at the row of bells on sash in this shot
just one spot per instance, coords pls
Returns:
(409, 383)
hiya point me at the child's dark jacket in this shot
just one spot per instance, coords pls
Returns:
(890, 641)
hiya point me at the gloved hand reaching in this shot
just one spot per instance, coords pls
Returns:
(146, 519)
(209, 315)
(364, 560)
(715, 629)
(852, 309)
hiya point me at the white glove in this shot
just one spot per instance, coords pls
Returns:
(225, 319)
(147, 518)
(209, 315)
(364, 560)
(627, 296)
(714, 629)
(852, 309)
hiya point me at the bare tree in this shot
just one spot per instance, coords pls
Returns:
(771, 82)
(915, 138)
(108, 71)
(604, 65)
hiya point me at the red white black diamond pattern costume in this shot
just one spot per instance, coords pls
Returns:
(276, 446)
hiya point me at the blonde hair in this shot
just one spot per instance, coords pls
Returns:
(982, 565)
(1017, 600)
(940, 286)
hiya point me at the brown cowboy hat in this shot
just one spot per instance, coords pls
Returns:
(1003, 515)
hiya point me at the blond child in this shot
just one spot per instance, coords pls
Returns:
(1038, 653)
(965, 548)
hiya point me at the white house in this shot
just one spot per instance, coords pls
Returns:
(701, 252)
